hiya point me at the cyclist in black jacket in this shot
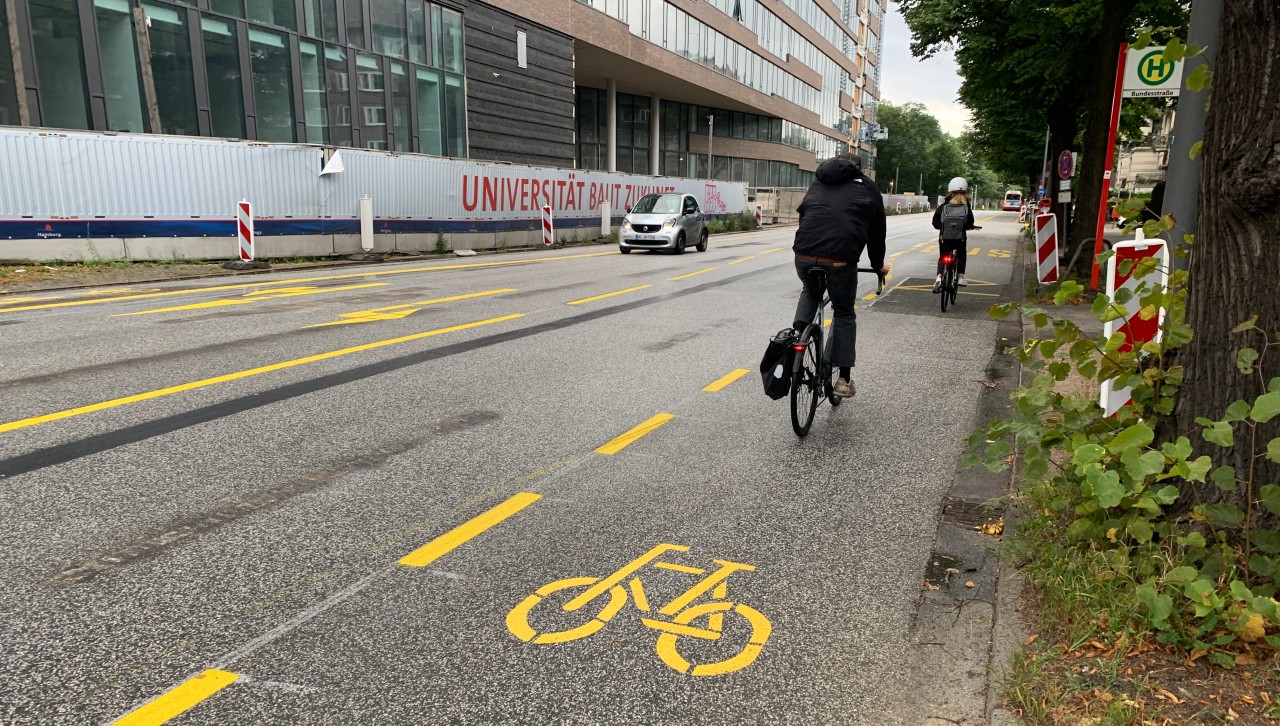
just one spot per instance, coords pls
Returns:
(841, 215)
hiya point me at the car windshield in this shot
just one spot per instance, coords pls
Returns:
(658, 204)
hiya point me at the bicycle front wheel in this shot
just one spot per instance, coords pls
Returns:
(805, 381)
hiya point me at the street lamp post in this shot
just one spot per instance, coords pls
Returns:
(896, 169)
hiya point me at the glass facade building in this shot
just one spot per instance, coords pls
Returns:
(403, 75)
(376, 74)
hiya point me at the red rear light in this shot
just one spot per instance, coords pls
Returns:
(948, 259)
(799, 346)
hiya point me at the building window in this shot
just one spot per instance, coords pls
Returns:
(419, 48)
(355, 23)
(400, 109)
(371, 84)
(121, 81)
(55, 30)
(273, 12)
(320, 19)
(228, 7)
(171, 69)
(222, 61)
(522, 49)
(375, 116)
(430, 128)
(338, 96)
(8, 85)
(314, 110)
(450, 40)
(389, 27)
(272, 85)
(455, 111)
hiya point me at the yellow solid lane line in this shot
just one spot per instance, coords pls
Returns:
(691, 274)
(296, 280)
(608, 294)
(460, 535)
(743, 259)
(36, 420)
(178, 700)
(254, 297)
(726, 380)
(775, 249)
(634, 434)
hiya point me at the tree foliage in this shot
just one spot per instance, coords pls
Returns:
(1036, 65)
(923, 158)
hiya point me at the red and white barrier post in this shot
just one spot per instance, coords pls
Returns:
(245, 236)
(759, 216)
(244, 226)
(1047, 247)
(1136, 331)
(548, 227)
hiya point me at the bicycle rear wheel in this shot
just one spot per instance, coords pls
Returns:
(828, 374)
(948, 280)
(805, 381)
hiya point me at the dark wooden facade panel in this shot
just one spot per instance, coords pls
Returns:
(518, 115)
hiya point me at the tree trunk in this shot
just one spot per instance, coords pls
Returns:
(1063, 125)
(1093, 155)
(1235, 262)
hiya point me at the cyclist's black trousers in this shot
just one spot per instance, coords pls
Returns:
(961, 250)
(843, 283)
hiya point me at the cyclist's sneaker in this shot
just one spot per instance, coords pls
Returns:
(937, 285)
(962, 282)
(844, 388)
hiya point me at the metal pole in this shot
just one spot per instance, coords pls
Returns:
(1044, 167)
(711, 127)
(896, 169)
(1110, 163)
(1182, 183)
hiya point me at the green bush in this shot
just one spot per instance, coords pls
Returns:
(1112, 509)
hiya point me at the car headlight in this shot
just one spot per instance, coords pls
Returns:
(626, 225)
(669, 224)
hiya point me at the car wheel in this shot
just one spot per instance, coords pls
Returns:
(702, 241)
(680, 244)
(625, 250)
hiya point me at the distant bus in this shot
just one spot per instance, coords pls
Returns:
(1012, 201)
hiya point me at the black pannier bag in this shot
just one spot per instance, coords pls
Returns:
(775, 366)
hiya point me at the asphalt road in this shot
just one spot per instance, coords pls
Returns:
(361, 496)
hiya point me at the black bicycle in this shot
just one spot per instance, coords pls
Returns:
(811, 369)
(950, 278)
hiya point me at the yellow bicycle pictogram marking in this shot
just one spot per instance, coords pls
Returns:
(680, 618)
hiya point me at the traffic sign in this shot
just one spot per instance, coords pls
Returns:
(1147, 74)
(1066, 165)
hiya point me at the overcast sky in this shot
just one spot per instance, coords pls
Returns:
(932, 82)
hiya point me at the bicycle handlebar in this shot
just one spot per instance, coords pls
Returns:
(879, 278)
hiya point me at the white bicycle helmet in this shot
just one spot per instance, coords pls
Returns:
(958, 184)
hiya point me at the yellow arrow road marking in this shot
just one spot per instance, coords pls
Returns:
(395, 312)
(56, 416)
(294, 281)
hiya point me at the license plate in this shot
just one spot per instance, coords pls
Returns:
(648, 237)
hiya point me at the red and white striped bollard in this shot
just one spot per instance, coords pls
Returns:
(548, 227)
(1136, 331)
(244, 226)
(1047, 247)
